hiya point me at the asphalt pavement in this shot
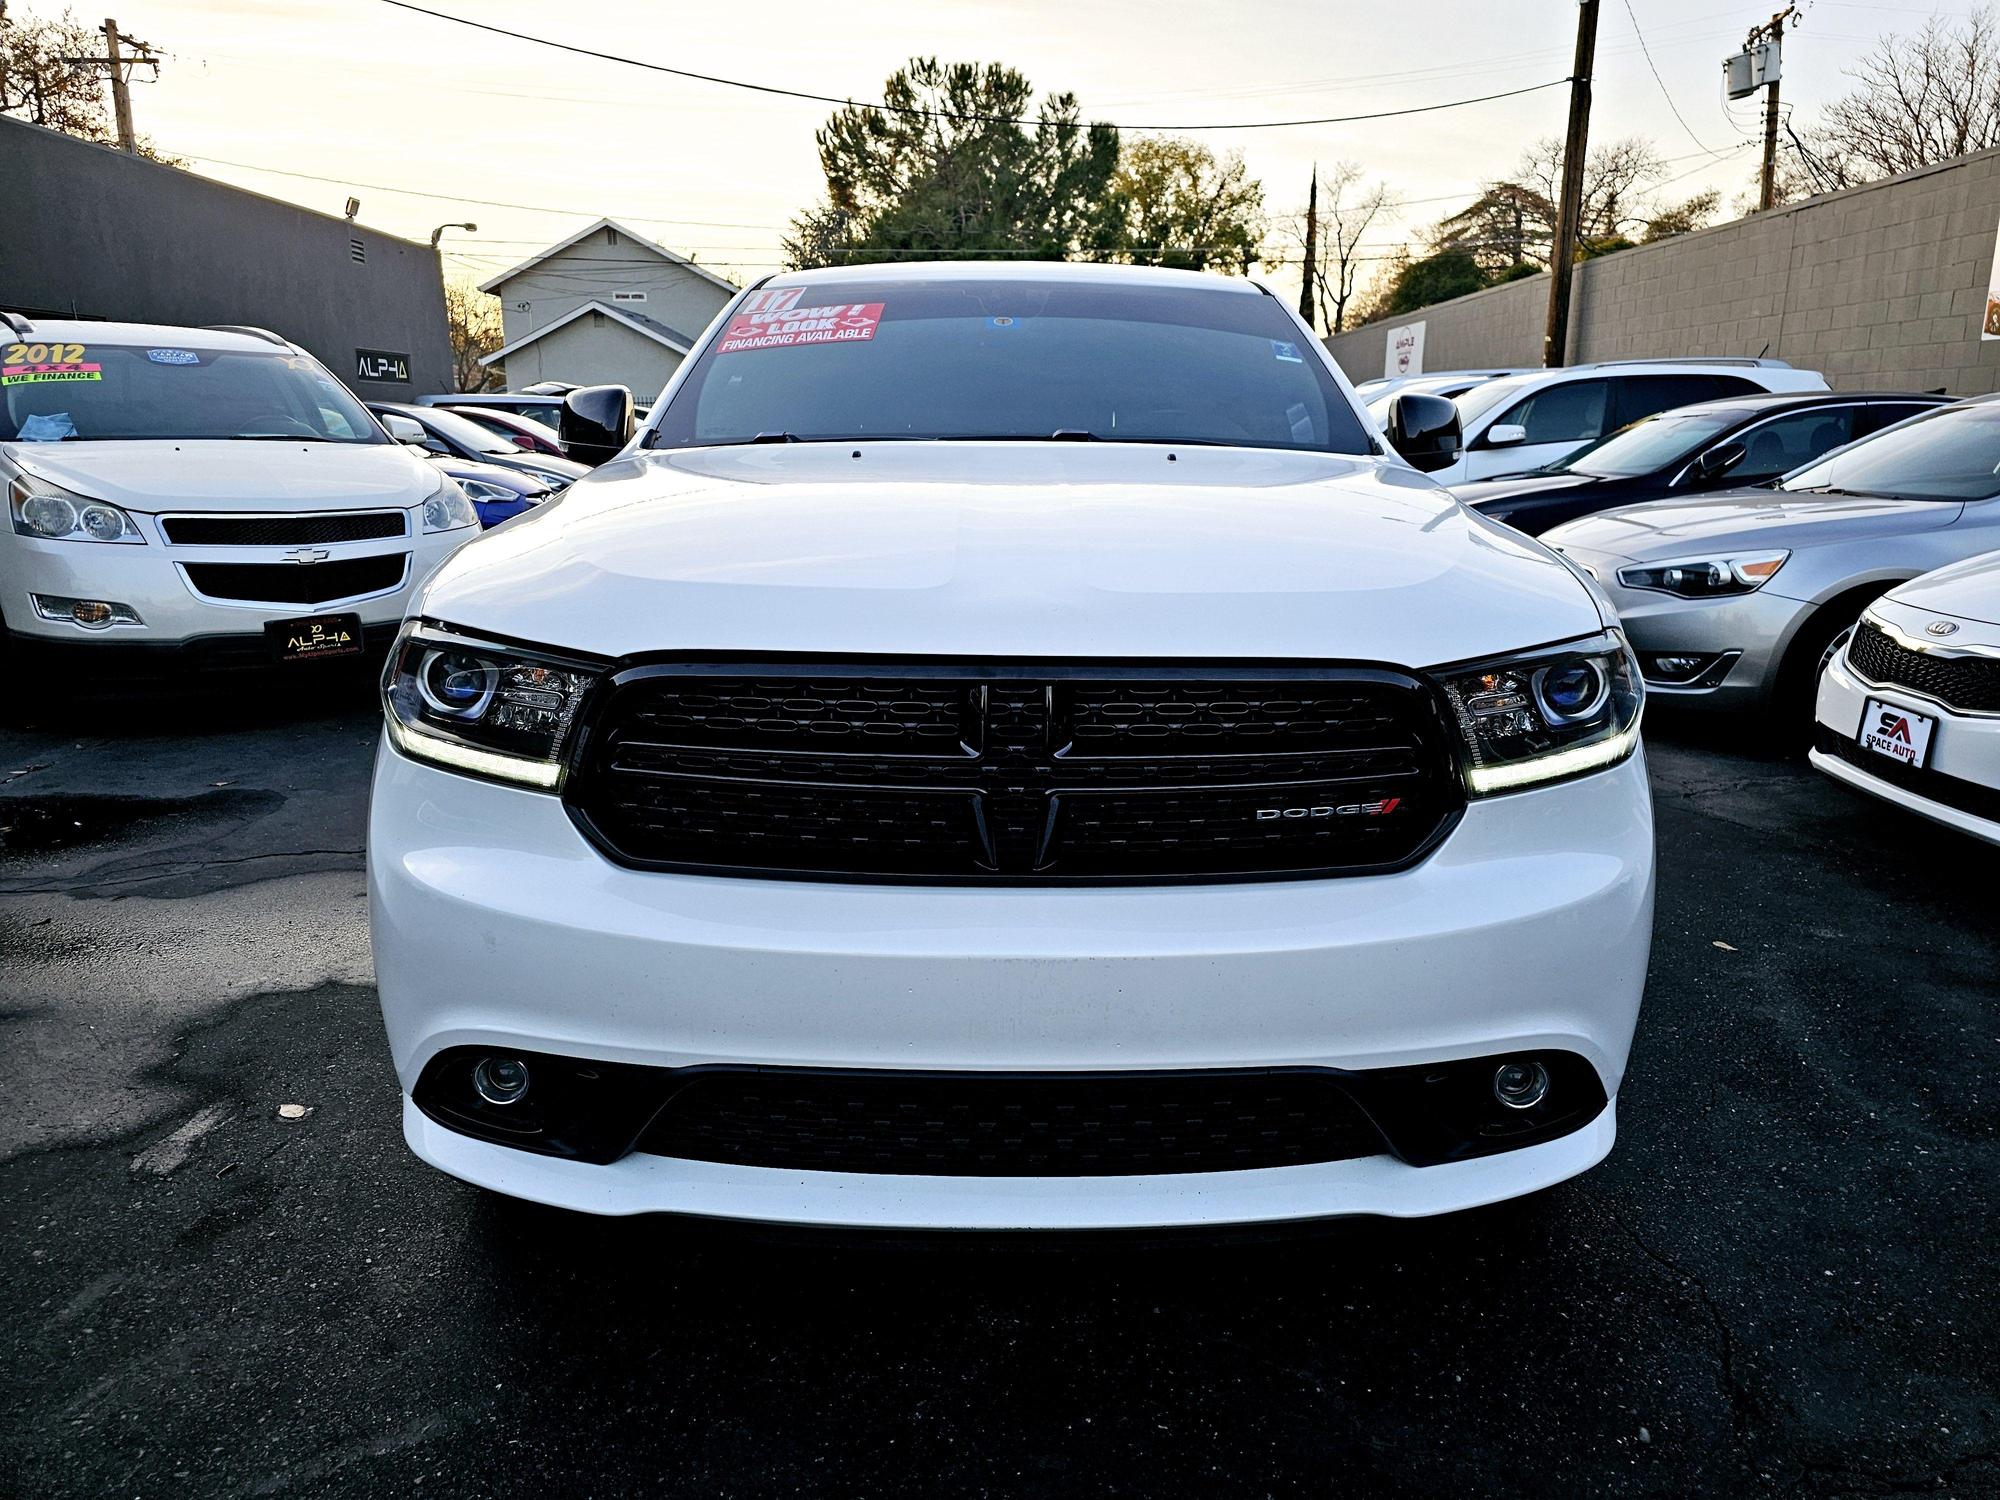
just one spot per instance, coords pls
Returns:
(225, 1275)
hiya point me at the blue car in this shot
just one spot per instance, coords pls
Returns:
(497, 494)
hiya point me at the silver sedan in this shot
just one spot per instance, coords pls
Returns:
(1733, 600)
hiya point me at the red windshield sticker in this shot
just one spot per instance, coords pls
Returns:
(789, 326)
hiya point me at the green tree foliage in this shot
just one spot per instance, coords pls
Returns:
(946, 170)
(1434, 278)
(1184, 207)
(37, 84)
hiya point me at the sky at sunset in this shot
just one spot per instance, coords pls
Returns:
(414, 115)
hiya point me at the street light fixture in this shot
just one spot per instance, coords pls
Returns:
(438, 232)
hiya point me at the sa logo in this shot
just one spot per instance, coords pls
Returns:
(1891, 725)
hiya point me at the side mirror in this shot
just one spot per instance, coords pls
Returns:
(1719, 460)
(404, 429)
(524, 442)
(595, 422)
(1424, 429)
(1504, 435)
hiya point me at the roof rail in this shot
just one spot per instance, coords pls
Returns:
(18, 323)
(1696, 359)
(255, 333)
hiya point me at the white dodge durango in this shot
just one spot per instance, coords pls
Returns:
(200, 494)
(1006, 748)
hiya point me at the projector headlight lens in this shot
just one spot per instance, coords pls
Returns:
(1545, 715)
(503, 712)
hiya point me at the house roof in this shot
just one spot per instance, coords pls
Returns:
(652, 328)
(588, 230)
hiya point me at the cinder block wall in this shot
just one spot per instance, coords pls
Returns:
(94, 233)
(1879, 286)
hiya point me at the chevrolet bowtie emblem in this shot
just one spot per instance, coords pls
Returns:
(308, 555)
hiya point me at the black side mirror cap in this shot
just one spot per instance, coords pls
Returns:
(1424, 430)
(1720, 459)
(595, 423)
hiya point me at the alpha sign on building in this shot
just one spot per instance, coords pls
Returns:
(382, 364)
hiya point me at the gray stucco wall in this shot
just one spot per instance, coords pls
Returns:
(1880, 286)
(94, 233)
(595, 350)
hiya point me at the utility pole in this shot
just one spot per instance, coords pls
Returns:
(1569, 218)
(1312, 249)
(118, 66)
(1767, 194)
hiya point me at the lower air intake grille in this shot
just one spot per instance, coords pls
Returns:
(298, 583)
(1968, 682)
(1029, 775)
(962, 1125)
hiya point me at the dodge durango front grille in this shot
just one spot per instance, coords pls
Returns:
(1968, 682)
(1030, 774)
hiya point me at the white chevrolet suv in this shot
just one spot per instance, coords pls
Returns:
(204, 495)
(1006, 747)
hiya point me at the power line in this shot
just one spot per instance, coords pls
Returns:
(1654, 69)
(974, 117)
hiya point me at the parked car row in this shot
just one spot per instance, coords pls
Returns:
(1741, 540)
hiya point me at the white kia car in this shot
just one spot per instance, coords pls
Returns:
(203, 495)
(1005, 747)
(1909, 707)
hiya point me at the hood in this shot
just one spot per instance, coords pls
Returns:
(998, 549)
(568, 468)
(1744, 519)
(1970, 590)
(216, 475)
(1481, 492)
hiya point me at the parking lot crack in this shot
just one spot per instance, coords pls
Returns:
(1742, 1408)
(169, 868)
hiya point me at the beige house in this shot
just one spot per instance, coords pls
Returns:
(605, 306)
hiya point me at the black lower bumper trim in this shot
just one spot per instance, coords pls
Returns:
(973, 1124)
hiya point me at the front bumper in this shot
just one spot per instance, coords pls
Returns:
(1744, 637)
(496, 925)
(149, 578)
(1959, 785)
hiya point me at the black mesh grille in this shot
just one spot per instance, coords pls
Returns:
(1968, 682)
(1055, 774)
(963, 1125)
(1934, 786)
(282, 531)
(295, 583)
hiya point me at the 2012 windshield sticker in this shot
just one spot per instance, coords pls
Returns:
(31, 364)
(788, 327)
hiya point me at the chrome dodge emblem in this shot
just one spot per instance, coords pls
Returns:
(308, 555)
(1941, 627)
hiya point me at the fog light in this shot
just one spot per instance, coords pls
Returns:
(500, 1080)
(91, 614)
(1676, 668)
(1518, 1085)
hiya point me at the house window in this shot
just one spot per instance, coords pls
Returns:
(628, 296)
(610, 236)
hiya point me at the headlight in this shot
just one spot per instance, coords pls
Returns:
(491, 494)
(55, 514)
(1706, 577)
(497, 711)
(1544, 715)
(448, 509)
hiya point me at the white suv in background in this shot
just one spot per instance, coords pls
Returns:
(1007, 748)
(200, 494)
(1521, 422)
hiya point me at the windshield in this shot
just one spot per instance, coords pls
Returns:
(462, 430)
(1446, 386)
(1481, 399)
(1646, 446)
(905, 359)
(89, 392)
(1953, 454)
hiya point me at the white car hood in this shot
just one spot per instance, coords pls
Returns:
(998, 549)
(1968, 590)
(213, 475)
(1743, 520)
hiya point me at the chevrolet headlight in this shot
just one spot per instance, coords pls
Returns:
(1545, 715)
(49, 511)
(1706, 577)
(448, 509)
(488, 710)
